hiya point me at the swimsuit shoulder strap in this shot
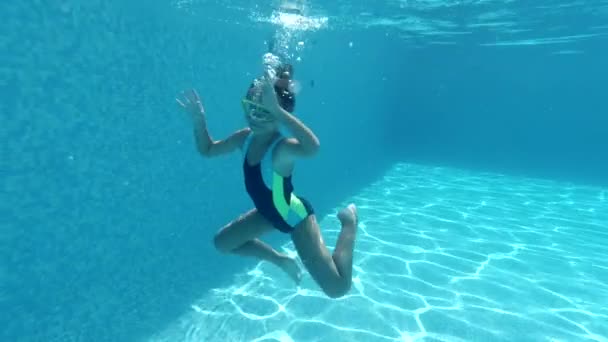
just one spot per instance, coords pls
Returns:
(267, 170)
(268, 156)
(247, 143)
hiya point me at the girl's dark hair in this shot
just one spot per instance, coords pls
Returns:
(287, 99)
(285, 68)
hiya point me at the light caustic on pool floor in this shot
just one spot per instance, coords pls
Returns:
(441, 255)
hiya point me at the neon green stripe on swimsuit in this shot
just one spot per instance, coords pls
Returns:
(278, 198)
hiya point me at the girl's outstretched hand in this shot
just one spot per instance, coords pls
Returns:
(192, 104)
(269, 97)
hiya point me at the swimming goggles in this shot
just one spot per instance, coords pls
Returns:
(256, 111)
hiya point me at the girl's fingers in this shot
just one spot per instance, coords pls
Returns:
(189, 98)
(185, 97)
(195, 95)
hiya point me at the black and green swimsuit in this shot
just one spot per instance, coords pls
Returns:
(273, 194)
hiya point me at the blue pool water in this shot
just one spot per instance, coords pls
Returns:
(443, 255)
(471, 134)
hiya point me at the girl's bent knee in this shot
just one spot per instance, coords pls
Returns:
(220, 244)
(338, 290)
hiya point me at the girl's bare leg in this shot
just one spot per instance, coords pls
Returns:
(333, 273)
(241, 237)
